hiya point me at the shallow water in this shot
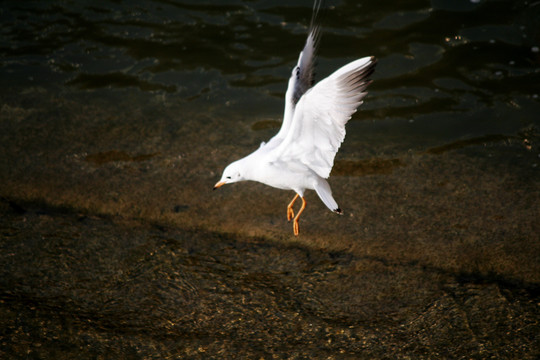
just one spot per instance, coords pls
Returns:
(117, 118)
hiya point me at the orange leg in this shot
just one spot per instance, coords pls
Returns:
(295, 223)
(290, 211)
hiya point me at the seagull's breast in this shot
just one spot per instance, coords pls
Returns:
(287, 175)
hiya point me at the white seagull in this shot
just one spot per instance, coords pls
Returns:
(301, 155)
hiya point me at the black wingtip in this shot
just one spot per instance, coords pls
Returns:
(338, 211)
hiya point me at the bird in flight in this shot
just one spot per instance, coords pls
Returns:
(301, 155)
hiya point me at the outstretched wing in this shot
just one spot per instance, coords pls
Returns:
(302, 76)
(317, 128)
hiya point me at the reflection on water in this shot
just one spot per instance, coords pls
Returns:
(116, 119)
(114, 155)
(467, 142)
(366, 167)
(479, 58)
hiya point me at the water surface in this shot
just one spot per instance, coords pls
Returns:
(117, 118)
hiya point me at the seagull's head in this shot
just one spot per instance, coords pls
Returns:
(232, 173)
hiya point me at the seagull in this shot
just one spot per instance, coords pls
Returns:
(301, 155)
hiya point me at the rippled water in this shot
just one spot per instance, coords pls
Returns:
(448, 69)
(117, 118)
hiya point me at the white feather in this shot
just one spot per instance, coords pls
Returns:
(317, 128)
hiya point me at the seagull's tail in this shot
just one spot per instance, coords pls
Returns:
(325, 194)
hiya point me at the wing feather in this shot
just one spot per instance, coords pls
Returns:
(302, 75)
(317, 128)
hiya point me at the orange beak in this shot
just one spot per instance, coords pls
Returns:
(219, 184)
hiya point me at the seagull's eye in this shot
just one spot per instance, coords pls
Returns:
(228, 177)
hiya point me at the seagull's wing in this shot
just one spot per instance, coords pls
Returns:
(318, 125)
(302, 76)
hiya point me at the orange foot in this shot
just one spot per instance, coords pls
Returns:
(295, 222)
(290, 211)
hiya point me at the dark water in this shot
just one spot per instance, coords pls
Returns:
(116, 119)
